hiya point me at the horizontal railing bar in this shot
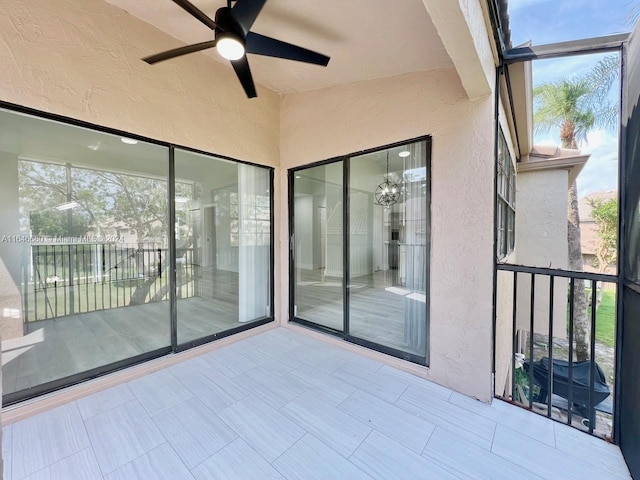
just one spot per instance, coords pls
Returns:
(556, 272)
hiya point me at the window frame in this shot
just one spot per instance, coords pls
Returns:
(506, 199)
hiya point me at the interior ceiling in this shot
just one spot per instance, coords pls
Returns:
(44, 140)
(365, 39)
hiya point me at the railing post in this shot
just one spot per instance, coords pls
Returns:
(550, 385)
(531, 330)
(514, 345)
(592, 357)
(571, 326)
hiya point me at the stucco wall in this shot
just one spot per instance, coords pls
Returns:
(82, 59)
(343, 119)
(541, 236)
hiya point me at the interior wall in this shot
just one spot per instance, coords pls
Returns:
(349, 118)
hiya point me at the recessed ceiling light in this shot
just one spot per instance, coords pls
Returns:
(404, 153)
(128, 141)
(298, 176)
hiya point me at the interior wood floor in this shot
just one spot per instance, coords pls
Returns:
(377, 310)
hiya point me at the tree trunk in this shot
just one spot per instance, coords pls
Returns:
(580, 318)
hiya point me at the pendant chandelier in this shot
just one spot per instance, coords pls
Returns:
(387, 193)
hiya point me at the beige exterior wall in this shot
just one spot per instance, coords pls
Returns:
(344, 119)
(541, 236)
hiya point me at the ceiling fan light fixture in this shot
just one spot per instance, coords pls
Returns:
(230, 46)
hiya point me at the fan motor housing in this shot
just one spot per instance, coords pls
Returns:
(227, 23)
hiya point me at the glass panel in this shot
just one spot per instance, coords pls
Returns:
(388, 248)
(83, 250)
(223, 244)
(318, 264)
(545, 21)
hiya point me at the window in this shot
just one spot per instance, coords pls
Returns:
(506, 218)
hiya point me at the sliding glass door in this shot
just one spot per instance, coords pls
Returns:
(317, 211)
(223, 245)
(384, 223)
(84, 253)
(116, 250)
(388, 249)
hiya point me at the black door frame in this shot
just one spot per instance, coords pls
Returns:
(174, 347)
(345, 332)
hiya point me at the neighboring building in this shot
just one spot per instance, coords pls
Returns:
(589, 230)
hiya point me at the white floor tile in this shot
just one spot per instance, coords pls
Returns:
(403, 427)
(268, 431)
(161, 463)
(334, 427)
(329, 388)
(230, 361)
(535, 426)
(159, 390)
(194, 431)
(433, 388)
(213, 389)
(384, 459)
(46, 438)
(469, 461)
(382, 385)
(7, 436)
(107, 399)
(79, 465)
(311, 459)
(543, 460)
(273, 389)
(122, 434)
(237, 461)
(464, 423)
(590, 449)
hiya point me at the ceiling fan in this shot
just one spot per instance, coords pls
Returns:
(233, 40)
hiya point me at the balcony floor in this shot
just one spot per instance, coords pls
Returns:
(283, 405)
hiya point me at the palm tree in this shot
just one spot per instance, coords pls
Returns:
(576, 106)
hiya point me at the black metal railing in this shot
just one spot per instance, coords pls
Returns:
(575, 387)
(67, 279)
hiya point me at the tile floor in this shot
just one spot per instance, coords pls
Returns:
(282, 405)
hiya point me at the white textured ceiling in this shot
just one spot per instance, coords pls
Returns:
(365, 39)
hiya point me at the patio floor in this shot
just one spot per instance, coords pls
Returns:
(284, 405)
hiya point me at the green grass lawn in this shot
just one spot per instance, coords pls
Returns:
(606, 319)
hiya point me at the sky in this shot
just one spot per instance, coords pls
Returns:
(550, 21)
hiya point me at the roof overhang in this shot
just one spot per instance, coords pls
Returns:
(554, 158)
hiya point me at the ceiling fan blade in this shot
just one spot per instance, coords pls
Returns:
(177, 52)
(196, 12)
(244, 75)
(246, 12)
(270, 47)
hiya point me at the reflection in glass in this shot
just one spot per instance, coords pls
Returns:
(223, 244)
(318, 269)
(388, 250)
(84, 256)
